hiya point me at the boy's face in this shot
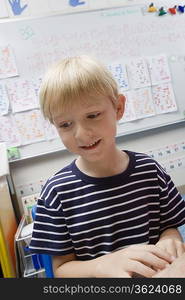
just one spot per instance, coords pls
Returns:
(89, 128)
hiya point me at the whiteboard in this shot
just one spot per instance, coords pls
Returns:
(108, 34)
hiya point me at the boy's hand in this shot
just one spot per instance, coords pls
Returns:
(176, 269)
(174, 247)
(140, 259)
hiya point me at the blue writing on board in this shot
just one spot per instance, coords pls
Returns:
(76, 2)
(16, 7)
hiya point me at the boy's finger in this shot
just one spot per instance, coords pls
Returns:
(180, 250)
(142, 269)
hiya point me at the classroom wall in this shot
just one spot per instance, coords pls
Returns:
(31, 172)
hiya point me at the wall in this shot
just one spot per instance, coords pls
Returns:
(31, 171)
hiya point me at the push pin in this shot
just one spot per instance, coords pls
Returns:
(152, 8)
(172, 10)
(181, 9)
(162, 11)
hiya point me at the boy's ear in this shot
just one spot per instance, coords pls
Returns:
(120, 106)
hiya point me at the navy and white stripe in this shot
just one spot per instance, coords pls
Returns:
(91, 216)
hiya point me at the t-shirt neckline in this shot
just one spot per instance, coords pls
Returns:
(109, 180)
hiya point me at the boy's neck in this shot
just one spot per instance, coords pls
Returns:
(114, 166)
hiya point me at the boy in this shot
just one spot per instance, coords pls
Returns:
(93, 212)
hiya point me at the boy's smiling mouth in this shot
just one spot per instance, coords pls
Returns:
(91, 146)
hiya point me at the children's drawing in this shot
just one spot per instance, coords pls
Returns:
(4, 101)
(22, 95)
(7, 63)
(16, 7)
(138, 73)
(159, 69)
(164, 99)
(30, 126)
(76, 2)
(143, 103)
(119, 72)
(9, 133)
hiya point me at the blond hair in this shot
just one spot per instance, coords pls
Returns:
(72, 79)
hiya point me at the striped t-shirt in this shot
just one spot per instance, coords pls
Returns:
(91, 216)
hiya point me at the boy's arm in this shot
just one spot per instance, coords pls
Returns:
(140, 259)
(67, 266)
(171, 240)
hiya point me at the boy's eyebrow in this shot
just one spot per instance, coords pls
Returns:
(89, 107)
(65, 116)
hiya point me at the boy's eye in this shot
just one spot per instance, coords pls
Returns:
(65, 125)
(93, 116)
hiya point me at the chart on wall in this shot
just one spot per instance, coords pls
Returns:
(144, 52)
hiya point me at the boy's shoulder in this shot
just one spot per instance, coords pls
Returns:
(61, 173)
(140, 156)
(54, 182)
(143, 160)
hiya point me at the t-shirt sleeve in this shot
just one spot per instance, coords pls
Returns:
(50, 234)
(172, 205)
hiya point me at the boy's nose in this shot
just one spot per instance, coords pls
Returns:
(81, 132)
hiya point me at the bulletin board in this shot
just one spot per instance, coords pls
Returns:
(117, 37)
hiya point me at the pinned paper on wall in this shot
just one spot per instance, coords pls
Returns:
(143, 103)
(7, 135)
(129, 113)
(164, 99)
(138, 73)
(30, 126)
(119, 73)
(159, 69)
(8, 66)
(4, 101)
(22, 95)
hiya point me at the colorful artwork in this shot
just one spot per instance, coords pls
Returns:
(158, 69)
(9, 133)
(138, 73)
(143, 103)
(75, 3)
(22, 95)
(7, 63)
(16, 7)
(30, 126)
(119, 72)
(164, 99)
